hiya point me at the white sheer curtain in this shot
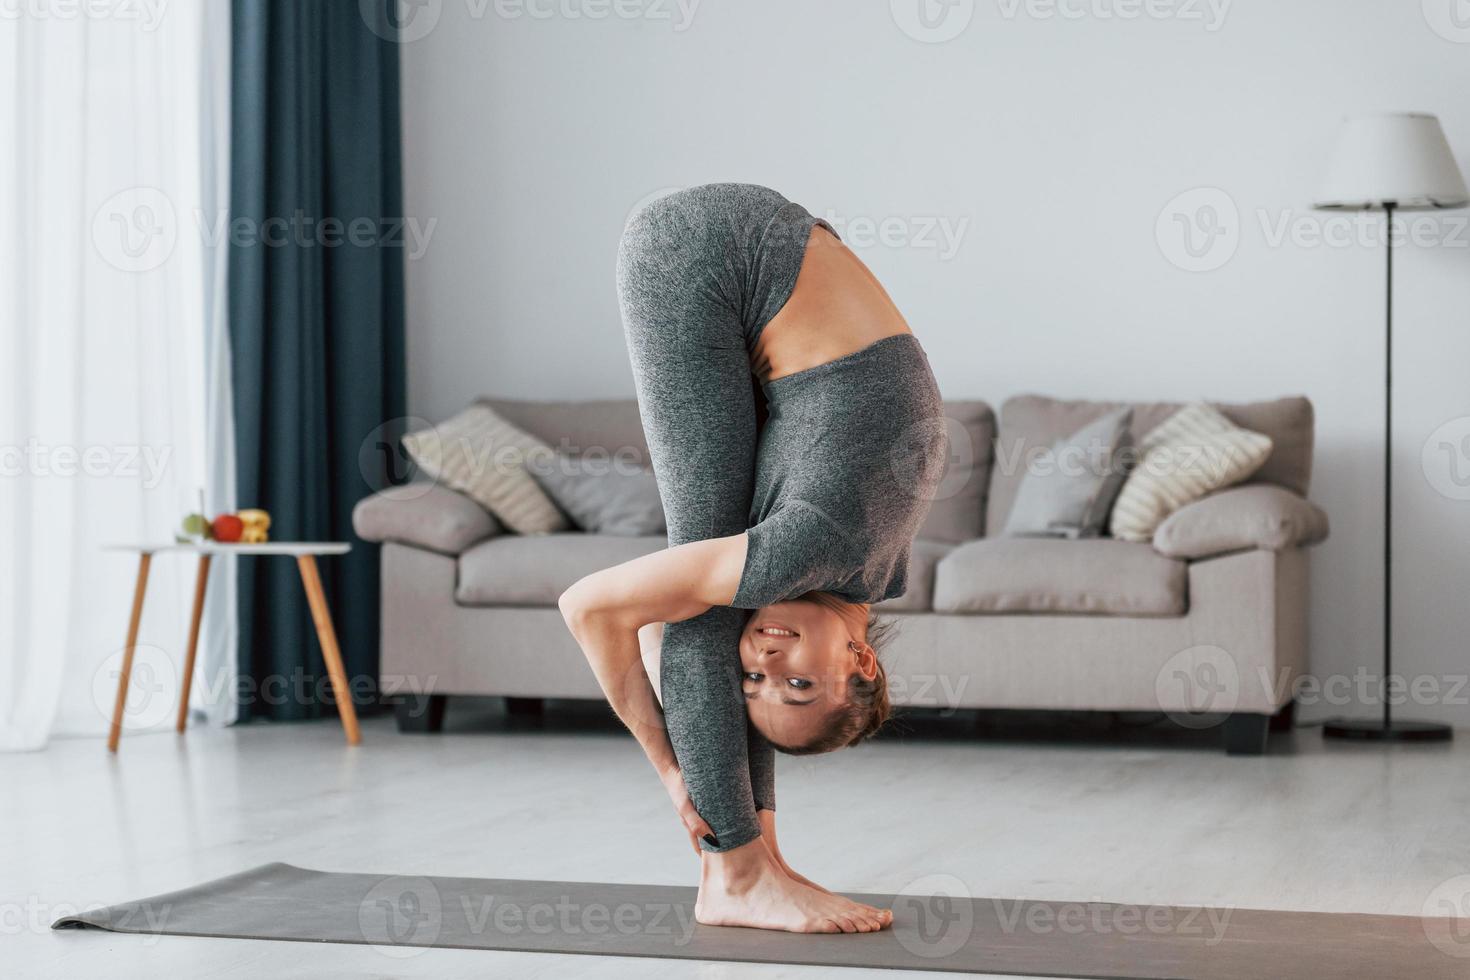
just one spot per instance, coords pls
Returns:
(112, 174)
(214, 688)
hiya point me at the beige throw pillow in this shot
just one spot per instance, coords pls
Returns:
(484, 457)
(1195, 451)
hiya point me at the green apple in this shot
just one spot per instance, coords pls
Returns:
(195, 526)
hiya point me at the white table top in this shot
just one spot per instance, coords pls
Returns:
(296, 548)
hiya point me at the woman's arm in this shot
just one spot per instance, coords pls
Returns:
(665, 587)
(650, 650)
(605, 611)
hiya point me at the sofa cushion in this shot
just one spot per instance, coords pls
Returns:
(612, 427)
(920, 595)
(603, 497)
(1239, 519)
(1029, 424)
(534, 570)
(425, 515)
(1070, 493)
(1194, 453)
(958, 511)
(1049, 575)
(483, 456)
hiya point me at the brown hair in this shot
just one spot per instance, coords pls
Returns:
(867, 706)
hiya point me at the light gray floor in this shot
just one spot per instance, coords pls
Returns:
(1140, 819)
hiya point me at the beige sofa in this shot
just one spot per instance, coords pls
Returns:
(1206, 623)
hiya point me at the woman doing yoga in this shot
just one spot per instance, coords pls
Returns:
(806, 520)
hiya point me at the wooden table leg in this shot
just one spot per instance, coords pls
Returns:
(144, 560)
(201, 582)
(322, 617)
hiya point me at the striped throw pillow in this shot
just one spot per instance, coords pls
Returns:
(1195, 451)
(484, 457)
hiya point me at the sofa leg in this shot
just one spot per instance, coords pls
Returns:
(1246, 734)
(1285, 719)
(420, 712)
(525, 707)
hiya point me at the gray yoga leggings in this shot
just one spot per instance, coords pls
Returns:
(700, 273)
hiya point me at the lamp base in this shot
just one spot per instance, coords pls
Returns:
(1395, 731)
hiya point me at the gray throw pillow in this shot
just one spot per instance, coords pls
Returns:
(1069, 490)
(603, 496)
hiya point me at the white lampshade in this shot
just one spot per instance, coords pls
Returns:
(1400, 160)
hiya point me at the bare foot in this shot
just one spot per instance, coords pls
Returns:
(768, 834)
(884, 917)
(748, 887)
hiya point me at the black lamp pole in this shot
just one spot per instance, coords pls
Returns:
(1388, 729)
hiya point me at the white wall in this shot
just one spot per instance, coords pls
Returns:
(1054, 143)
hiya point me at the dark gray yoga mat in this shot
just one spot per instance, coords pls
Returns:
(935, 928)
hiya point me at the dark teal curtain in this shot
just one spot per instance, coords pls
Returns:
(316, 324)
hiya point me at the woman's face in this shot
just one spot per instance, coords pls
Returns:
(797, 658)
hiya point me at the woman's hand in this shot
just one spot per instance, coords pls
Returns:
(673, 781)
(605, 612)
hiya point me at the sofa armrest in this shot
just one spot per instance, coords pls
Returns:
(424, 515)
(1257, 516)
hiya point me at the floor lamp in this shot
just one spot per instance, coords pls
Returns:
(1391, 162)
